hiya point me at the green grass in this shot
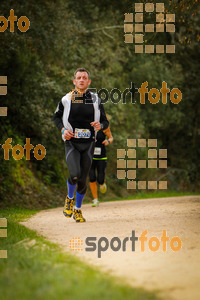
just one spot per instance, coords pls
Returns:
(38, 269)
(157, 194)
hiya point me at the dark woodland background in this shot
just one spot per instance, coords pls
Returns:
(40, 63)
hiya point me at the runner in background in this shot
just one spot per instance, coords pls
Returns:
(98, 168)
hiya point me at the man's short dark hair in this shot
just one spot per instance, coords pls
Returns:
(82, 70)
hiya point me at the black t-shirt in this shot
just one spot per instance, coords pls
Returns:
(81, 115)
(100, 149)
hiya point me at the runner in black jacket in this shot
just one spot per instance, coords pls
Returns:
(98, 169)
(78, 116)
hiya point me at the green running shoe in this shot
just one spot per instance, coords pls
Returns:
(103, 188)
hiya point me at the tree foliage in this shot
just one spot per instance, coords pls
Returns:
(40, 63)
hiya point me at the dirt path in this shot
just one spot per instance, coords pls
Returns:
(175, 274)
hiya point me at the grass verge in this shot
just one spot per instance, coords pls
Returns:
(38, 269)
(157, 194)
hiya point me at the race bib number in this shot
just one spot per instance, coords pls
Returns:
(97, 151)
(82, 133)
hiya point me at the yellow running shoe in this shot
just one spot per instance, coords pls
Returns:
(103, 188)
(77, 215)
(68, 208)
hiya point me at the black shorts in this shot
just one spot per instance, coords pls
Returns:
(79, 158)
(100, 167)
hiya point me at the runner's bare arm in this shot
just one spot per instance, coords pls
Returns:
(109, 135)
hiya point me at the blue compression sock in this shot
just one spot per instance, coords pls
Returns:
(79, 200)
(71, 189)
